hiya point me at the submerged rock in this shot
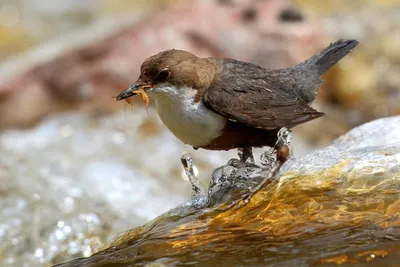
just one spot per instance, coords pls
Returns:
(337, 205)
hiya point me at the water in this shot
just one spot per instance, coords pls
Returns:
(71, 184)
(337, 205)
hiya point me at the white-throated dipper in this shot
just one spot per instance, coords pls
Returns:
(221, 104)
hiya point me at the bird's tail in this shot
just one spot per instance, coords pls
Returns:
(307, 75)
(329, 56)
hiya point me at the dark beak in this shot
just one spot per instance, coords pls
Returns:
(129, 92)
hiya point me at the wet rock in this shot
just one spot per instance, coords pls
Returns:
(337, 205)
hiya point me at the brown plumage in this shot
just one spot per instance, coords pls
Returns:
(220, 104)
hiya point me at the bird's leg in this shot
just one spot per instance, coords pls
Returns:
(273, 160)
(187, 163)
(283, 145)
(281, 151)
(246, 155)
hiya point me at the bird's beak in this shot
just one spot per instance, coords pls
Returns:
(130, 91)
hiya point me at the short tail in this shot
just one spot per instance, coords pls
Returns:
(306, 76)
(330, 55)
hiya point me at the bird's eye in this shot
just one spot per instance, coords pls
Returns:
(162, 75)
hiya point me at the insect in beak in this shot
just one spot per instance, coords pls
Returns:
(135, 89)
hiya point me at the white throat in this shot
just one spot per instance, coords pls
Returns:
(193, 123)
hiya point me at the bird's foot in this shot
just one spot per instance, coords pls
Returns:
(246, 155)
(281, 151)
(187, 163)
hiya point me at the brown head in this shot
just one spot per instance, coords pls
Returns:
(171, 68)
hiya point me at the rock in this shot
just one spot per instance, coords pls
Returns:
(88, 67)
(337, 205)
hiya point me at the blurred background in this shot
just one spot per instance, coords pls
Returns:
(77, 167)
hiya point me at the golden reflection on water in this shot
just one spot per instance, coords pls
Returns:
(301, 217)
(386, 256)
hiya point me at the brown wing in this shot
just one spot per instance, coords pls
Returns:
(257, 97)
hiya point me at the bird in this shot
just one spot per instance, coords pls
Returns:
(222, 103)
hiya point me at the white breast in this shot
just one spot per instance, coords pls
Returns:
(193, 123)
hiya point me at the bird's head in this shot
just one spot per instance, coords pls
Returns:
(167, 73)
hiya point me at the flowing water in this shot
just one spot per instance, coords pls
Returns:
(336, 206)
